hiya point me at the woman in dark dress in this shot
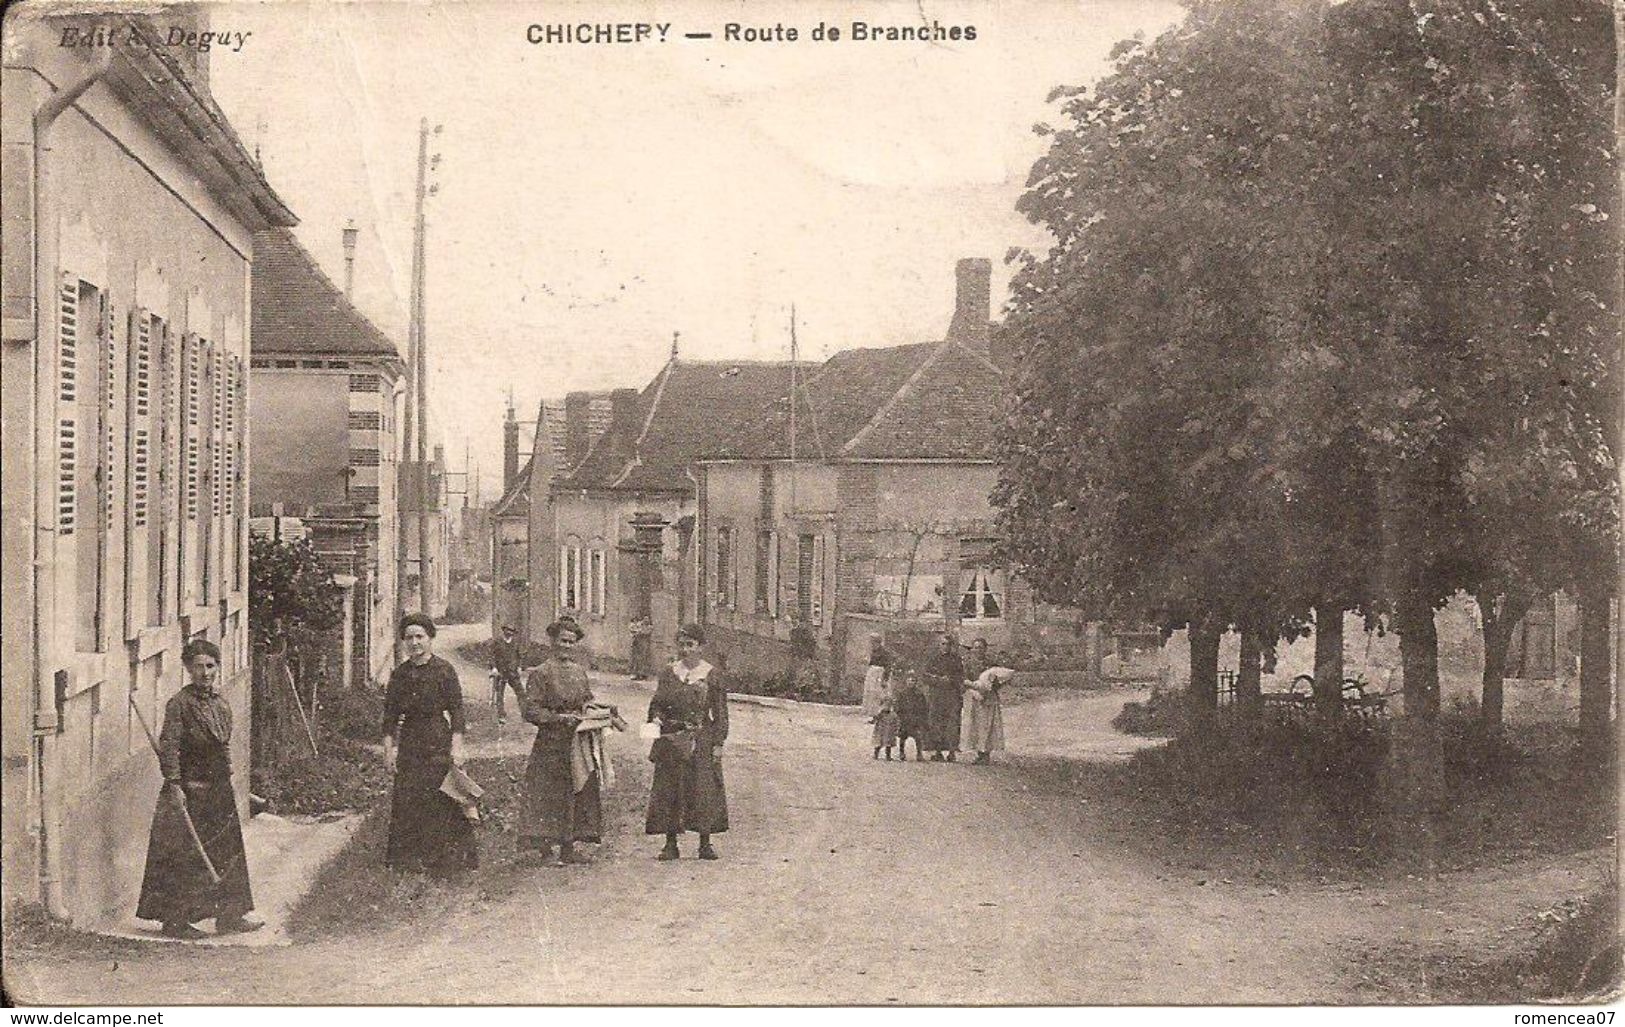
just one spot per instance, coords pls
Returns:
(194, 753)
(556, 812)
(423, 739)
(944, 695)
(691, 706)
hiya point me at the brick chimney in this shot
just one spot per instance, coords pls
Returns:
(510, 449)
(973, 289)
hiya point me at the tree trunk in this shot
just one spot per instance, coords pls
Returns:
(1204, 689)
(1249, 687)
(1328, 659)
(1596, 679)
(1413, 786)
(1500, 614)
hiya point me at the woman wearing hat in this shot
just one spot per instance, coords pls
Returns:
(194, 753)
(691, 706)
(423, 739)
(556, 812)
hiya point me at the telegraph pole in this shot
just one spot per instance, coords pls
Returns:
(416, 426)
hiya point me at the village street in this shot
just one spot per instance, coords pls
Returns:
(848, 880)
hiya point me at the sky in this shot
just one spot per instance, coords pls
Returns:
(593, 199)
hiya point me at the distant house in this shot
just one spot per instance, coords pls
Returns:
(882, 522)
(562, 432)
(130, 209)
(638, 470)
(326, 442)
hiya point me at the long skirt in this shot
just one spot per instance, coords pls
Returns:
(943, 704)
(427, 830)
(688, 795)
(984, 723)
(176, 887)
(554, 811)
(874, 689)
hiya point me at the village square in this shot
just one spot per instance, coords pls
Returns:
(1104, 508)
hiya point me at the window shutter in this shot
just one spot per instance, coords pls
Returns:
(818, 579)
(108, 391)
(68, 395)
(138, 468)
(193, 387)
(140, 416)
(215, 376)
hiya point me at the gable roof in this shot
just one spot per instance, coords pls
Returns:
(929, 400)
(298, 309)
(683, 412)
(176, 103)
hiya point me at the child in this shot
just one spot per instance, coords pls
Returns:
(912, 717)
(885, 722)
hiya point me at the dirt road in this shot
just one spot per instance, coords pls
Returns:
(850, 880)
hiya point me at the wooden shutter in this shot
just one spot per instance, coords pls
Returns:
(114, 384)
(68, 397)
(138, 468)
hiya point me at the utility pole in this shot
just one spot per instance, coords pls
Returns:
(418, 385)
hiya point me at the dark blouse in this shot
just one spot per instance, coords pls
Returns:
(423, 692)
(681, 705)
(195, 743)
(944, 670)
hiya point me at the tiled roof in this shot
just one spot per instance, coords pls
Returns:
(688, 408)
(298, 309)
(834, 402)
(946, 411)
(930, 400)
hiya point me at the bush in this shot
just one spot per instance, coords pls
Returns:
(347, 773)
(1162, 715)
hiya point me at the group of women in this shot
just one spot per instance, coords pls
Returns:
(959, 706)
(562, 806)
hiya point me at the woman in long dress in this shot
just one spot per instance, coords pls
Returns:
(691, 706)
(877, 677)
(194, 754)
(556, 811)
(423, 739)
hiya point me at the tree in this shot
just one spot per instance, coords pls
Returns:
(291, 597)
(1325, 326)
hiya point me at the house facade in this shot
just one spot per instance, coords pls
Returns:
(130, 209)
(881, 523)
(620, 537)
(323, 414)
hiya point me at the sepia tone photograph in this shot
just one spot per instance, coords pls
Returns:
(1105, 503)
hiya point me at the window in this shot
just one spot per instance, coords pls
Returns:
(570, 575)
(901, 594)
(983, 598)
(810, 579)
(595, 580)
(767, 572)
(725, 568)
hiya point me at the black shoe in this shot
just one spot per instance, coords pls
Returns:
(981, 758)
(936, 757)
(185, 932)
(950, 757)
(236, 925)
(706, 852)
(668, 853)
